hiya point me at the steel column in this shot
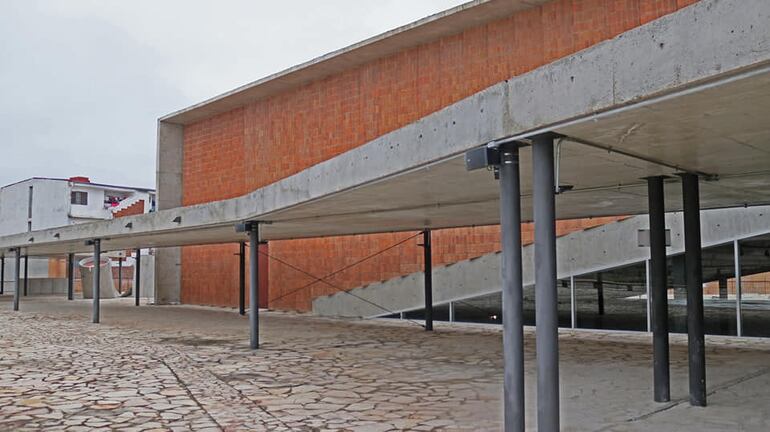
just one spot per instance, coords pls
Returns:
(70, 276)
(97, 279)
(2, 274)
(138, 277)
(16, 281)
(26, 274)
(513, 321)
(738, 288)
(428, 274)
(648, 303)
(694, 279)
(599, 285)
(546, 307)
(572, 302)
(242, 278)
(254, 284)
(658, 290)
(451, 311)
(120, 275)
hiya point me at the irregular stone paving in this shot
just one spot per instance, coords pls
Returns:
(66, 374)
(180, 369)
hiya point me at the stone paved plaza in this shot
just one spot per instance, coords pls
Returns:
(189, 368)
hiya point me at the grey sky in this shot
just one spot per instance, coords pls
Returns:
(82, 82)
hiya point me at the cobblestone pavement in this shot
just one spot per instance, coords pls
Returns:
(187, 368)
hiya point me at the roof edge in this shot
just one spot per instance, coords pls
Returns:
(424, 30)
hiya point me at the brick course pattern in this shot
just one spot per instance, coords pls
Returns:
(233, 153)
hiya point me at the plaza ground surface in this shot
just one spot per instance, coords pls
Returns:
(189, 368)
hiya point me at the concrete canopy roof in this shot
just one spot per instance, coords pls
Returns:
(689, 92)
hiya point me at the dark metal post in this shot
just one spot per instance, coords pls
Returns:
(97, 279)
(70, 276)
(16, 281)
(546, 312)
(599, 285)
(658, 289)
(26, 274)
(2, 274)
(137, 276)
(242, 278)
(513, 323)
(254, 284)
(428, 272)
(120, 275)
(694, 279)
(722, 280)
(738, 288)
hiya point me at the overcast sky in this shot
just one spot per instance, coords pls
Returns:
(82, 82)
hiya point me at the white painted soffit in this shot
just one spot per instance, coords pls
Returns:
(695, 95)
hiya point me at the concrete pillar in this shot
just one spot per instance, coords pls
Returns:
(168, 261)
(658, 290)
(512, 295)
(546, 306)
(696, 342)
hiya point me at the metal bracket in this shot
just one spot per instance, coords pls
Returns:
(487, 156)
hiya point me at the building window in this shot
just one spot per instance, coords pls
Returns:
(79, 198)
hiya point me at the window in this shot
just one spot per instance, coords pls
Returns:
(79, 198)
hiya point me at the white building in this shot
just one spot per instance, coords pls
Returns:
(39, 203)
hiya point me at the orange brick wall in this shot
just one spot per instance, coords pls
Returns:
(235, 152)
(210, 275)
(214, 166)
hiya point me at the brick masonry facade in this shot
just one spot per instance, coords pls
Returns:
(235, 152)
